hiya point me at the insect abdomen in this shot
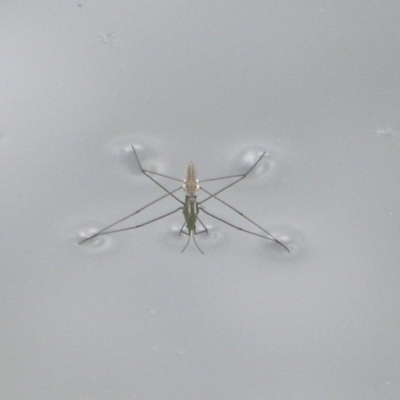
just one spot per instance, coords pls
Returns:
(190, 211)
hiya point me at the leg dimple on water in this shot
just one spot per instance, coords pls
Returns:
(249, 157)
(214, 235)
(98, 242)
(205, 240)
(175, 231)
(290, 237)
(122, 149)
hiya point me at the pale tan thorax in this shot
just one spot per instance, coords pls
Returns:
(191, 183)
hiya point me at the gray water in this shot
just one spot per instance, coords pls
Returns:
(128, 316)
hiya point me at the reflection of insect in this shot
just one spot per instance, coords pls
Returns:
(190, 207)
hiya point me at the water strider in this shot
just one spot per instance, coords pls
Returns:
(190, 207)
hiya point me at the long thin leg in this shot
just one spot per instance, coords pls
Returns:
(129, 216)
(197, 233)
(180, 180)
(205, 229)
(145, 172)
(164, 176)
(236, 181)
(222, 177)
(243, 216)
(140, 225)
(245, 230)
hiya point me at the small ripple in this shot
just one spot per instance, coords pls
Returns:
(148, 158)
(248, 157)
(215, 237)
(388, 136)
(101, 242)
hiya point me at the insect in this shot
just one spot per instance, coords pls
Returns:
(190, 207)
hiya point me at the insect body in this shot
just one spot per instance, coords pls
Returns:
(190, 207)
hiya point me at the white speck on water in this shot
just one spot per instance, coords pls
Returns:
(107, 37)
